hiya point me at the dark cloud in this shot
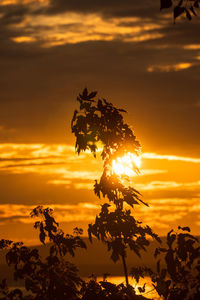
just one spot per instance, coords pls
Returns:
(32, 189)
(15, 218)
(13, 14)
(107, 8)
(39, 85)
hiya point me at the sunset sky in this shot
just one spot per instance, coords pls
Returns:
(135, 57)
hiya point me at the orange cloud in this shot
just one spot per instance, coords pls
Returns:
(170, 157)
(170, 68)
(85, 27)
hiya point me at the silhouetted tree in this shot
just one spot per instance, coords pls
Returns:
(99, 124)
(49, 279)
(55, 278)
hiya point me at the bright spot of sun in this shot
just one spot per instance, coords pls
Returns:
(126, 165)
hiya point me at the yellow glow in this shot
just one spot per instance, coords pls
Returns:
(126, 165)
(170, 68)
(192, 47)
(23, 39)
(22, 2)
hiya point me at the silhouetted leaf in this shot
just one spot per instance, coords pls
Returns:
(196, 3)
(193, 11)
(142, 289)
(158, 266)
(180, 3)
(184, 228)
(178, 10)
(92, 95)
(188, 15)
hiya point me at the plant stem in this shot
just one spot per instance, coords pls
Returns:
(125, 270)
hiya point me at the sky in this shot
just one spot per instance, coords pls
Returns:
(133, 55)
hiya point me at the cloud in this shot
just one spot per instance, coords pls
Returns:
(160, 214)
(63, 213)
(170, 157)
(109, 9)
(170, 68)
(54, 23)
(23, 39)
(72, 28)
(61, 163)
(192, 47)
(157, 185)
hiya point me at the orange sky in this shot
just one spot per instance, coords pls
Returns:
(134, 56)
(54, 175)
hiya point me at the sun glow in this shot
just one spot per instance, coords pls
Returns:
(126, 165)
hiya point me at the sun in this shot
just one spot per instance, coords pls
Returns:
(126, 165)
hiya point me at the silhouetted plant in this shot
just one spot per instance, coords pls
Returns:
(54, 278)
(49, 279)
(177, 275)
(104, 290)
(187, 7)
(99, 123)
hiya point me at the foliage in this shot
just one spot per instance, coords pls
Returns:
(96, 123)
(177, 274)
(105, 290)
(52, 278)
(187, 7)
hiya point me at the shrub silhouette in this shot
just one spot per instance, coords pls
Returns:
(177, 274)
(53, 278)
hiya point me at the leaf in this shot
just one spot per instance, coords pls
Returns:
(188, 15)
(178, 10)
(193, 11)
(170, 238)
(163, 273)
(92, 95)
(142, 289)
(114, 256)
(196, 4)
(165, 4)
(184, 228)
(90, 233)
(157, 252)
(85, 93)
(171, 266)
(158, 266)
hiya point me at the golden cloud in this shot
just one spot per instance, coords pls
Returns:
(170, 68)
(85, 27)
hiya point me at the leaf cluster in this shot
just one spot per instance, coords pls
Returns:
(100, 121)
(104, 290)
(180, 7)
(177, 275)
(54, 278)
(49, 228)
(110, 186)
(118, 229)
